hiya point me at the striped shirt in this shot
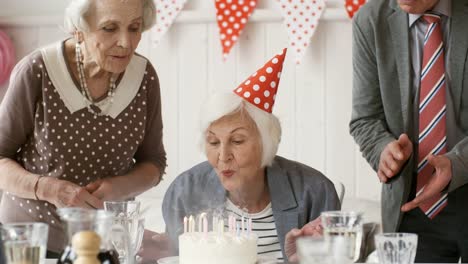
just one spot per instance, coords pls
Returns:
(263, 225)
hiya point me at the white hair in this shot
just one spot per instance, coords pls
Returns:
(227, 103)
(76, 11)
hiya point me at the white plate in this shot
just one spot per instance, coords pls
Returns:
(169, 260)
(175, 260)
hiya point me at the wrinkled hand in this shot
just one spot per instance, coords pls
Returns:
(393, 157)
(103, 189)
(313, 228)
(63, 193)
(438, 182)
(154, 246)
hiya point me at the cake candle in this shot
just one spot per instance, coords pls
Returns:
(234, 221)
(185, 224)
(242, 224)
(221, 226)
(205, 225)
(191, 224)
(200, 220)
(215, 222)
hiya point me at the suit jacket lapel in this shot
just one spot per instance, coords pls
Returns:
(458, 49)
(283, 202)
(398, 24)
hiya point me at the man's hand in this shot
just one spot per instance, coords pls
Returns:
(393, 157)
(313, 228)
(438, 182)
(154, 247)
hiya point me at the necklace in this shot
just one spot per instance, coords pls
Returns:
(88, 99)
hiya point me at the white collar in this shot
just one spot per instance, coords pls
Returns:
(443, 7)
(59, 75)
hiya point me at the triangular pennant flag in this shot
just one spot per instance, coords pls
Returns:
(301, 18)
(261, 87)
(232, 16)
(352, 6)
(166, 13)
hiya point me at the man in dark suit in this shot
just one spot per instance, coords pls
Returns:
(410, 117)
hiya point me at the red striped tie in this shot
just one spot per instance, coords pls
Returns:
(432, 131)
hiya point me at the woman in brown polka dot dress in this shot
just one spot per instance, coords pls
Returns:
(81, 121)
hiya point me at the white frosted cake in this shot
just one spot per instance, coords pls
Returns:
(217, 248)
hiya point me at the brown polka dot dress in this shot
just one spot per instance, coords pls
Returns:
(47, 128)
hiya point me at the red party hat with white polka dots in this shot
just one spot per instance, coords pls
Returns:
(352, 6)
(260, 88)
(232, 16)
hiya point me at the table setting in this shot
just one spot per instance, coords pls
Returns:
(120, 229)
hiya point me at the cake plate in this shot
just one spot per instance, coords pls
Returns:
(175, 260)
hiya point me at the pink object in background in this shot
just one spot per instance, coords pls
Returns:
(7, 57)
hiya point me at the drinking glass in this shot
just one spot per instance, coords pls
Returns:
(123, 208)
(394, 248)
(127, 215)
(314, 250)
(347, 226)
(25, 242)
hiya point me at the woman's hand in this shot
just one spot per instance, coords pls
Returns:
(313, 228)
(103, 189)
(63, 193)
(154, 247)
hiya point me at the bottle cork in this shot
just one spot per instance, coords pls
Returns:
(86, 245)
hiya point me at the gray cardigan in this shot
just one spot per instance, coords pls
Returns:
(298, 194)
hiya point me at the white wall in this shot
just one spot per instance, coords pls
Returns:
(313, 102)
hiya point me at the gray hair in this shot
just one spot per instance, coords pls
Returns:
(226, 103)
(76, 11)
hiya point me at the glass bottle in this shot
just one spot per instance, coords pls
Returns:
(80, 219)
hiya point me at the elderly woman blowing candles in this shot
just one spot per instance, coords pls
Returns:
(244, 175)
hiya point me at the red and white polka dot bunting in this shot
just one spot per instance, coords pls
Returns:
(261, 87)
(352, 6)
(166, 13)
(232, 16)
(301, 18)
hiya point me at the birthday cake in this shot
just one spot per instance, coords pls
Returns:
(217, 248)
